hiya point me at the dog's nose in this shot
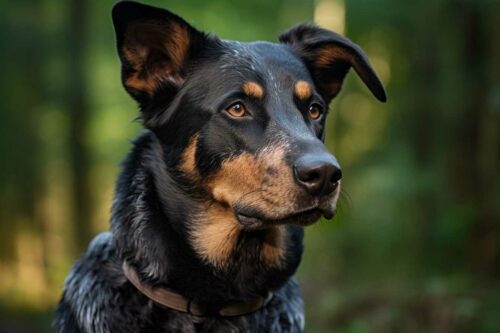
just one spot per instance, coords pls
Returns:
(319, 174)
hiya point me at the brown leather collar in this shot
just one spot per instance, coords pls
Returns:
(173, 300)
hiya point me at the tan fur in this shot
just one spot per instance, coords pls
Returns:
(136, 83)
(188, 159)
(264, 182)
(216, 234)
(155, 44)
(303, 90)
(137, 80)
(273, 247)
(176, 45)
(327, 55)
(235, 177)
(253, 89)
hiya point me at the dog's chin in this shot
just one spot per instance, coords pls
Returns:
(256, 220)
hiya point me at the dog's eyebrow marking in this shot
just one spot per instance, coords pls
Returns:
(253, 89)
(303, 90)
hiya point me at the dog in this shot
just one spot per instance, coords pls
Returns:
(208, 216)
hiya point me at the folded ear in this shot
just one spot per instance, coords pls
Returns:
(328, 56)
(154, 46)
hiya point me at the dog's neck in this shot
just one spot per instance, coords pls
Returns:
(175, 242)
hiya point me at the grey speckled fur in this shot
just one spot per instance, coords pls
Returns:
(98, 299)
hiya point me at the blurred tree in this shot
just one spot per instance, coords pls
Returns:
(475, 159)
(77, 106)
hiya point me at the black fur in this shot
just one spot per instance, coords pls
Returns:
(157, 204)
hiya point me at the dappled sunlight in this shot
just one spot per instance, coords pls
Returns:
(28, 282)
(103, 179)
(330, 14)
(364, 126)
(377, 45)
(381, 65)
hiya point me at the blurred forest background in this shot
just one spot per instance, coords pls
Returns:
(416, 246)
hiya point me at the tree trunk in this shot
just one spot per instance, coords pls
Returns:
(78, 110)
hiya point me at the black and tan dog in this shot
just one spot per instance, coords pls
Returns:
(207, 220)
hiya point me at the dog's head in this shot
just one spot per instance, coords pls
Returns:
(244, 123)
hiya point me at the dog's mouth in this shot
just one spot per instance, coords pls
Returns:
(254, 219)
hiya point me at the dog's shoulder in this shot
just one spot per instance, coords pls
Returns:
(99, 263)
(287, 302)
(95, 283)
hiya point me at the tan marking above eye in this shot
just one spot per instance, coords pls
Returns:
(303, 90)
(253, 89)
(237, 110)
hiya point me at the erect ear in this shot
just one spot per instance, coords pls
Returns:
(328, 56)
(154, 46)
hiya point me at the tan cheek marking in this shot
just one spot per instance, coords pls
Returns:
(303, 90)
(188, 159)
(265, 182)
(216, 237)
(235, 178)
(278, 183)
(273, 247)
(253, 89)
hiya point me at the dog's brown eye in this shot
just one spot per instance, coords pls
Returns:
(237, 110)
(315, 111)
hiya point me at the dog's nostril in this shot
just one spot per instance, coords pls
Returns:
(317, 174)
(336, 176)
(311, 176)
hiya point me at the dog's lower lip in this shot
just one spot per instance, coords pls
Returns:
(306, 217)
(249, 221)
(328, 215)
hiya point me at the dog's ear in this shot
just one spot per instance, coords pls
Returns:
(328, 56)
(154, 46)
